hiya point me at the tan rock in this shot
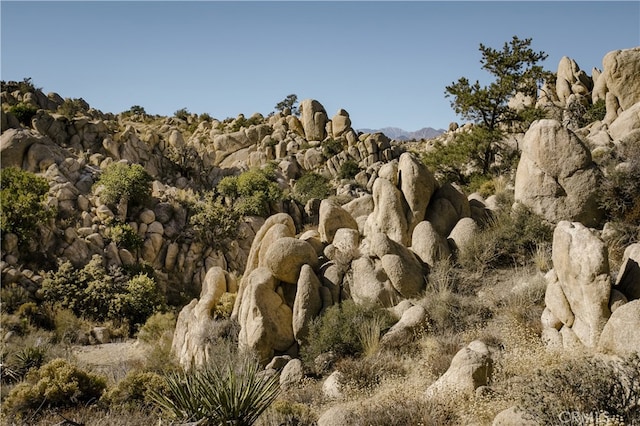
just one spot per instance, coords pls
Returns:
(581, 264)
(621, 71)
(286, 256)
(428, 244)
(332, 218)
(556, 177)
(307, 304)
(314, 119)
(265, 318)
(621, 334)
(417, 184)
(389, 216)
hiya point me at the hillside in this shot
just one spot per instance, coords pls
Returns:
(345, 277)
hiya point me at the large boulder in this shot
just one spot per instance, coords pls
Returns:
(417, 184)
(389, 215)
(621, 334)
(340, 123)
(332, 218)
(192, 337)
(283, 227)
(470, 368)
(287, 255)
(413, 321)
(314, 119)
(265, 318)
(307, 304)
(447, 206)
(556, 177)
(428, 244)
(581, 263)
(370, 283)
(400, 265)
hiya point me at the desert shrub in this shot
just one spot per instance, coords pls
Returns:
(400, 408)
(68, 328)
(593, 387)
(331, 147)
(55, 384)
(97, 294)
(224, 307)
(511, 239)
(231, 392)
(23, 112)
(311, 185)
(135, 390)
(72, 107)
(140, 299)
(290, 413)
(365, 374)
(252, 192)
(129, 183)
(125, 237)
(182, 114)
(348, 170)
(12, 296)
(213, 222)
(619, 191)
(22, 202)
(338, 329)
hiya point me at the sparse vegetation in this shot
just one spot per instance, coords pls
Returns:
(24, 113)
(339, 330)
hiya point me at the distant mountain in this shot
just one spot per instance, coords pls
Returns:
(403, 135)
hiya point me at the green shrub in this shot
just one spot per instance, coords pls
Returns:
(96, 294)
(56, 384)
(348, 170)
(252, 192)
(311, 185)
(593, 388)
(22, 202)
(213, 222)
(182, 114)
(125, 237)
(339, 329)
(135, 390)
(140, 299)
(121, 181)
(24, 113)
(157, 336)
(331, 147)
(232, 392)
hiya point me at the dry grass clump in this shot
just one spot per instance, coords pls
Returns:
(363, 376)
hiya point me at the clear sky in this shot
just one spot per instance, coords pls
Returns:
(386, 63)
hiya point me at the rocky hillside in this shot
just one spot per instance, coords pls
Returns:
(335, 217)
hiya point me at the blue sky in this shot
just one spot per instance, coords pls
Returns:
(386, 63)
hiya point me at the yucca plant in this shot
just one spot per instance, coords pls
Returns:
(233, 393)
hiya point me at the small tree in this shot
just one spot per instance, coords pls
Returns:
(22, 202)
(515, 70)
(289, 102)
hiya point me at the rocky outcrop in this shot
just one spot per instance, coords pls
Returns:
(628, 279)
(192, 339)
(556, 177)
